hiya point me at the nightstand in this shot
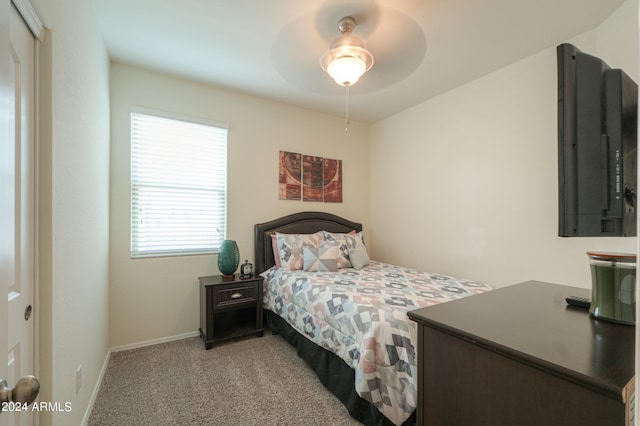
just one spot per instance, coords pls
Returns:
(229, 308)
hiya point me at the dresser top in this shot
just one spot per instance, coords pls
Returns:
(531, 322)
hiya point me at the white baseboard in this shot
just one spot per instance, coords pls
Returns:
(96, 389)
(154, 341)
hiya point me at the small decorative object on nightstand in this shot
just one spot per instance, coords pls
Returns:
(229, 308)
(246, 270)
(228, 259)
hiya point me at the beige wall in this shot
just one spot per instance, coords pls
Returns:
(158, 298)
(466, 183)
(462, 184)
(74, 208)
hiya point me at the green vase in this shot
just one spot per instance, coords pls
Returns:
(228, 257)
(613, 287)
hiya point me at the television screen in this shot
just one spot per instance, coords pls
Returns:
(621, 133)
(597, 139)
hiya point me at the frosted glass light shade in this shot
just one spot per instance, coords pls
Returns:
(346, 70)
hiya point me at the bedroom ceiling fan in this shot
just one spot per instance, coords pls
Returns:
(347, 59)
(299, 46)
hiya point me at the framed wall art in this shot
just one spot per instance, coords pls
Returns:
(309, 178)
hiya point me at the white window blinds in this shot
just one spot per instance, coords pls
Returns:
(178, 186)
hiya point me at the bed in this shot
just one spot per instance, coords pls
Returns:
(348, 320)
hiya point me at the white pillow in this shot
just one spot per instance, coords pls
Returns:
(359, 257)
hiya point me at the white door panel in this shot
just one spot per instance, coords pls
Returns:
(17, 217)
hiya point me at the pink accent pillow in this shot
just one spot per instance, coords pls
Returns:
(276, 252)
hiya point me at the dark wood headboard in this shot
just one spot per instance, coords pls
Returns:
(297, 223)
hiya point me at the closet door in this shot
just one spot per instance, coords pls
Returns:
(17, 217)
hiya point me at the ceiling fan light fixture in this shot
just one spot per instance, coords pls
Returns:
(347, 59)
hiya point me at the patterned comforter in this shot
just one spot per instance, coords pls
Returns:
(361, 316)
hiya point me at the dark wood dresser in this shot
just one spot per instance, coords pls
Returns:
(519, 355)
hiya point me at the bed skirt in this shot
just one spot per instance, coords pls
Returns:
(333, 372)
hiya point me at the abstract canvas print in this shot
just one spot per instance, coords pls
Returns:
(290, 183)
(312, 178)
(332, 181)
(309, 178)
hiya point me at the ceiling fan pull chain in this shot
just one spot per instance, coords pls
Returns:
(346, 109)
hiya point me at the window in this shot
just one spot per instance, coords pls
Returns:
(178, 186)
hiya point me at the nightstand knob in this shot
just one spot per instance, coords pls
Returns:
(236, 295)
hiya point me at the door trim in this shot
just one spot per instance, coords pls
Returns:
(30, 16)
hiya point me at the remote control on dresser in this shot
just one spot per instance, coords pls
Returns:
(579, 302)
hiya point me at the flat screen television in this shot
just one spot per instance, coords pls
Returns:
(597, 144)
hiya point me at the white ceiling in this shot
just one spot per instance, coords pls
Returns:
(271, 48)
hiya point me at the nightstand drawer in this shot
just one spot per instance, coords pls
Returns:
(236, 295)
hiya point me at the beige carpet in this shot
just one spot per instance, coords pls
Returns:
(253, 381)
